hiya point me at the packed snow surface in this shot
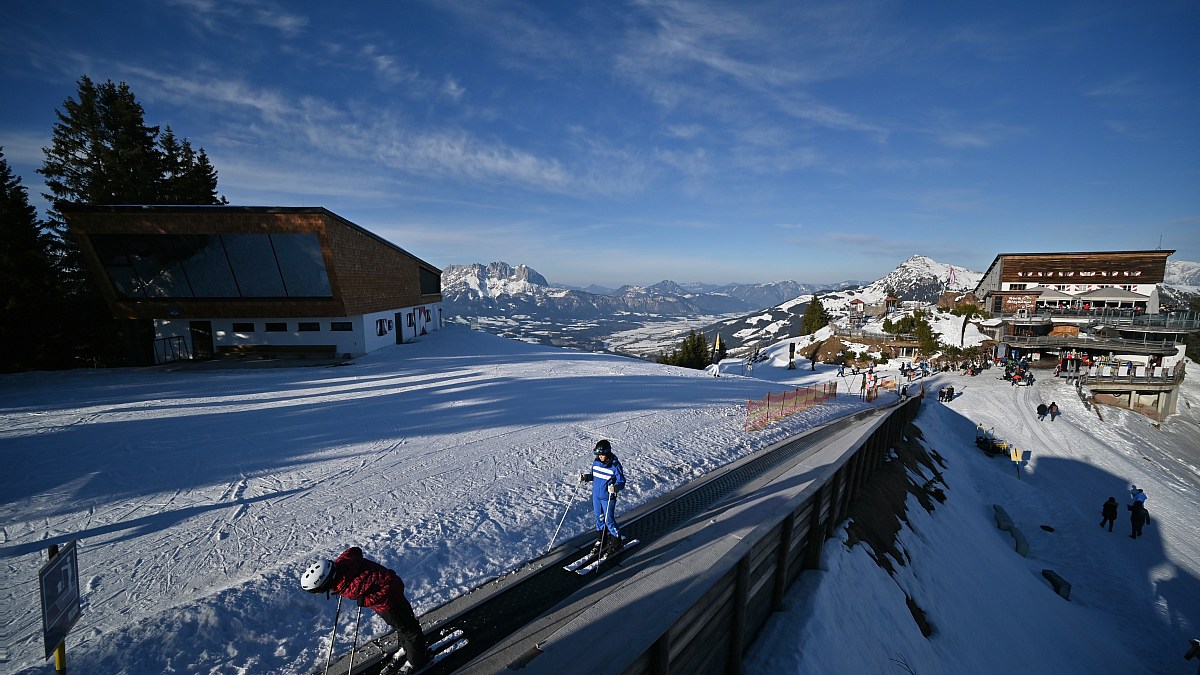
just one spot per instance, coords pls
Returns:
(197, 497)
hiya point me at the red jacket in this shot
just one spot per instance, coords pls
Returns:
(366, 581)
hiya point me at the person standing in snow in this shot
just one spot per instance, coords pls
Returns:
(1136, 494)
(1108, 513)
(373, 586)
(1137, 518)
(608, 479)
(1041, 411)
(1053, 410)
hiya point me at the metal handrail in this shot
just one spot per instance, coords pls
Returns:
(1048, 341)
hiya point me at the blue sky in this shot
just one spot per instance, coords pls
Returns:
(628, 142)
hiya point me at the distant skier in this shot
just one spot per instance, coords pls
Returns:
(608, 479)
(375, 587)
(1042, 410)
(1108, 512)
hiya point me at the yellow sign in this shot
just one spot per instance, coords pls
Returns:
(1015, 453)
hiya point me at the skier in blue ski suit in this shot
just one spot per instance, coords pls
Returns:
(608, 479)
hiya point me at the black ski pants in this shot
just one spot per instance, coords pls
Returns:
(408, 630)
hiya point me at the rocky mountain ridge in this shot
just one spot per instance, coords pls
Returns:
(516, 301)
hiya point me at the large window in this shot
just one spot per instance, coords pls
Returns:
(214, 266)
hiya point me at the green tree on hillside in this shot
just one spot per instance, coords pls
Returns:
(693, 352)
(815, 317)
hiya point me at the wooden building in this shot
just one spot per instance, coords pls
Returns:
(1073, 282)
(252, 280)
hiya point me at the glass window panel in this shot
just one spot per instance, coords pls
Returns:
(254, 265)
(120, 272)
(302, 265)
(204, 261)
(162, 276)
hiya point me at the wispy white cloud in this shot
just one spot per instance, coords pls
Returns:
(386, 66)
(949, 131)
(766, 59)
(1124, 87)
(24, 147)
(272, 105)
(452, 89)
(219, 16)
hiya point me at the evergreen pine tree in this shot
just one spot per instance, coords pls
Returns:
(103, 152)
(188, 176)
(815, 317)
(692, 353)
(27, 279)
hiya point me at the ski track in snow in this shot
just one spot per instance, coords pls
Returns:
(197, 496)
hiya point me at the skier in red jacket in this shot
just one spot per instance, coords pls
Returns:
(373, 586)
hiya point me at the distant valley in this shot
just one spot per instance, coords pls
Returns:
(518, 302)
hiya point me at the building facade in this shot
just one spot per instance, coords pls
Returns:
(1073, 282)
(221, 280)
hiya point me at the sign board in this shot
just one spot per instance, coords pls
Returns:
(59, 582)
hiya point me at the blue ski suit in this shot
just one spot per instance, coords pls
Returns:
(605, 474)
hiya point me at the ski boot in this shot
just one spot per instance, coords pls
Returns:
(612, 545)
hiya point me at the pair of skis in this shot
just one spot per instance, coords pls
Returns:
(592, 562)
(451, 640)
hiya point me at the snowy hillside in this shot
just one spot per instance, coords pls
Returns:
(918, 279)
(197, 497)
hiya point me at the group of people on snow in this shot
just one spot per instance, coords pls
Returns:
(376, 587)
(946, 394)
(1138, 515)
(1051, 410)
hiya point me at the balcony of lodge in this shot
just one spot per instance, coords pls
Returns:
(1091, 344)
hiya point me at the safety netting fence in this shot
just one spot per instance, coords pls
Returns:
(763, 411)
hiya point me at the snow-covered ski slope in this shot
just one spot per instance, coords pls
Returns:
(1133, 605)
(197, 497)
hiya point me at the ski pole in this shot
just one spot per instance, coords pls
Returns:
(333, 638)
(354, 645)
(560, 524)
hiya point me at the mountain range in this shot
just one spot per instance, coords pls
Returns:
(517, 301)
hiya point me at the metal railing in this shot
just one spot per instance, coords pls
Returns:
(842, 331)
(168, 349)
(1088, 342)
(1111, 317)
(1140, 375)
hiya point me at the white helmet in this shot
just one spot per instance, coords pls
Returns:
(317, 576)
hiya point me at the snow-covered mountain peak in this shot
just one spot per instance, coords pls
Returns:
(494, 279)
(1182, 273)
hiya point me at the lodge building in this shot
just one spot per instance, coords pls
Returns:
(243, 281)
(1096, 316)
(1073, 282)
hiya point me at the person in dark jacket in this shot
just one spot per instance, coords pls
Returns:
(1137, 518)
(1041, 411)
(373, 586)
(1109, 513)
(1053, 410)
(608, 479)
